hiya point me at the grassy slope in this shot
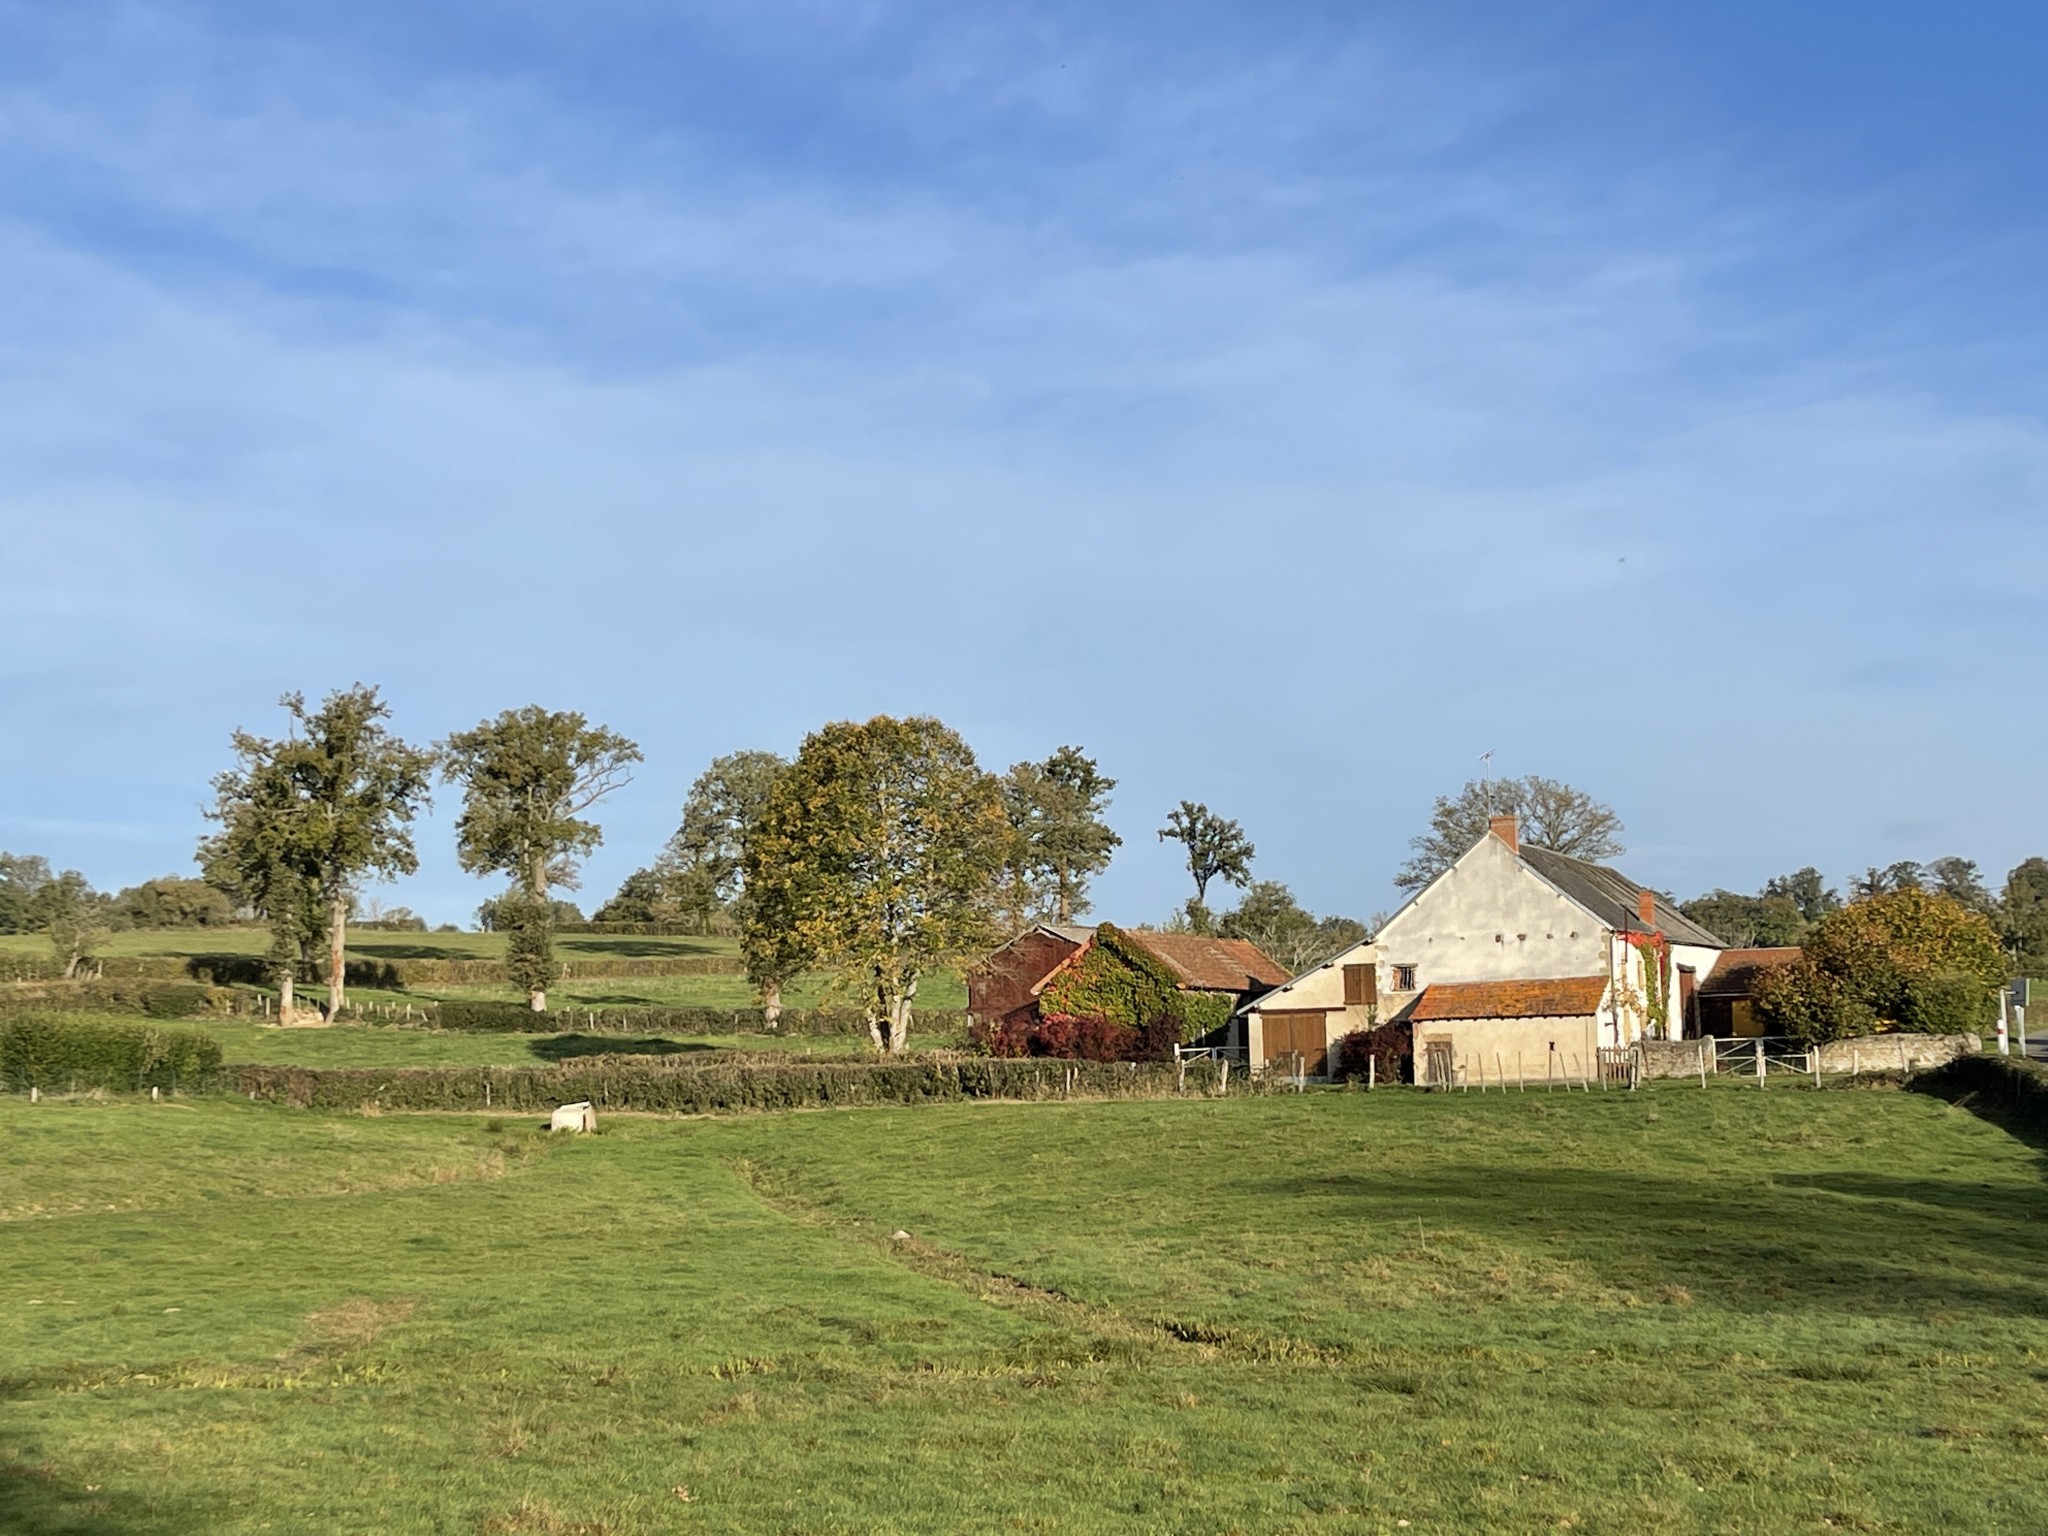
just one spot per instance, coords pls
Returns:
(363, 1045)
(585, 954)
(1756, 1312)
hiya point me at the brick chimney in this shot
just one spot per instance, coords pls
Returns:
(1508, 830)
(1646, 908)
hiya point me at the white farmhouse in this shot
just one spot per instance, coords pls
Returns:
(1514, 961)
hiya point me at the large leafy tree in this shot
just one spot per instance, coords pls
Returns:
(877, 852)
(1748, 920)
(1904, 959)
(2023, 916)
(21, 876)
(1059, 838)
(339, 794)
(72, 915)
(1271, 918)
(263, 851)
(172, 901)
(725, 804)
(708, 855)
(527, 777)
(1905, 875)
(1808, 891)
(1216, 848)
(1552, 814)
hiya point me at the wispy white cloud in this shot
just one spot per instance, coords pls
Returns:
(1286, 382)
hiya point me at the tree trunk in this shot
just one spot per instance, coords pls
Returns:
(771, 1005)
(337, 953)
(899, 1019)
(1066, 899)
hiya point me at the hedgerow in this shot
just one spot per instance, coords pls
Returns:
(153, 999)
(2012, 1087)
(494, 1016)
(54, 1052)
(656, 1084)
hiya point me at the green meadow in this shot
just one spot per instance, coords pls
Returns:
(1729, 1310)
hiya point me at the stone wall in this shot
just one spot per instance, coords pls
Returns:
(1865, 1053)
(1892, 1053)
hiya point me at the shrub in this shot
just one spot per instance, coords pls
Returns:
(488, 1017)
(1890, 959)
(1810, 1004)
(177, 1000)
(1389, 1049)
(1948, 1004)
(52, 1051)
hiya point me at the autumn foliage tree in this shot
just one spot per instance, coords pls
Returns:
(877, 852)
(1906, 959)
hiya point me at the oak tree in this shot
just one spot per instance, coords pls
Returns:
(1059, 838)
(527, 777)
(1216, 848)
(1552, 814)
(877, 853)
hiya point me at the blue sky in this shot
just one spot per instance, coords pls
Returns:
(1287, 403)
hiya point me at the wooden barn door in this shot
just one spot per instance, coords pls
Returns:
(1298, 1029)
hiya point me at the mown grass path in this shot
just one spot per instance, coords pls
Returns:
(1672, 1311)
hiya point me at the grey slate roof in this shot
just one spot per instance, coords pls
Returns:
(1611, 896)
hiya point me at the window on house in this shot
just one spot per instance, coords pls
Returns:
(1404, 978)
(1361, 985)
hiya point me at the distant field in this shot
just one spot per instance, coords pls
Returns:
(364, 1045)
(1673, 1311)
(584, 954)
(942, 989)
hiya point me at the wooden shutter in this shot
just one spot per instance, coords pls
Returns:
(1361, 985)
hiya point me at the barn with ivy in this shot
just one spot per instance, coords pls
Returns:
(1113, 994)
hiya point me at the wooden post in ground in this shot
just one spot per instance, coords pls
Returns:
(1703, 1064)
(1813, 1061)
(1759, 1063)
(1372, 1073)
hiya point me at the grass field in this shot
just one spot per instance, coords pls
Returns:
(365, 1045)
(1679, 1310)
(941, 989)
(584, 954)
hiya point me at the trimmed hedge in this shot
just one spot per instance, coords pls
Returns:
(657, 1084)
(152, 999)
(492, 1016)
(647, 930)
(397, 975)
(2013, 1087)
(54, 1052)
(114, 968)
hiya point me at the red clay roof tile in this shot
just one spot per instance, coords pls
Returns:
(1568, 997)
